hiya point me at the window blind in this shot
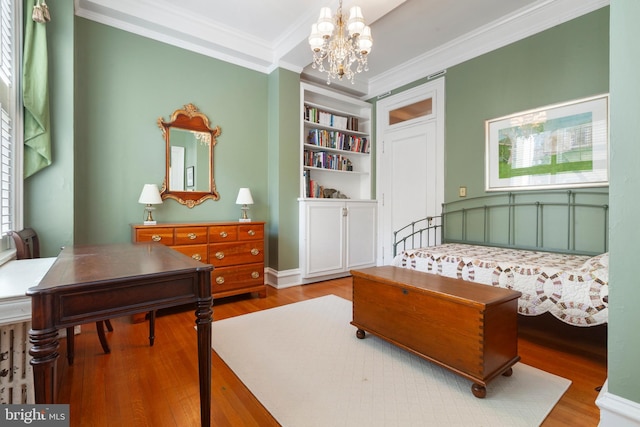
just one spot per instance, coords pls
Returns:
(6, 172)
(6, 41)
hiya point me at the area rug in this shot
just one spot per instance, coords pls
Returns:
(304, 363)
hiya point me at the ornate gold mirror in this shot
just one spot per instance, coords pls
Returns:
(189, 143)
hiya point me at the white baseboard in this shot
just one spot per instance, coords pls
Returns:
(282, 279)
(289, 278)
(616, 411)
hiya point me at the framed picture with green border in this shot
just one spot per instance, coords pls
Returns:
(557, 146)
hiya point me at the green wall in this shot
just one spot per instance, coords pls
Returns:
(123, 84)
(624, 317)
(49, 194)
(566, 62)
(109, 87)
(284, 152)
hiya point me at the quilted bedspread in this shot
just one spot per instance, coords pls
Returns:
(574, 288)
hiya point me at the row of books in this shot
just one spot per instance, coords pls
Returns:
(312, 189)
(324, 160)
(314, 115)
(338, 140)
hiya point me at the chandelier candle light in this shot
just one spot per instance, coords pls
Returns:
(341, 42)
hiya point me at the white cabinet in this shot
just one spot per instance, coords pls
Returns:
(336, 236)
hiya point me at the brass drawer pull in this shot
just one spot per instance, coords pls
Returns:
(223, 234)
(254, 251)
(220, 255)
(197, 257)
(251, 233)
(219, 280)
(156, 237)
(192, 236)
(255, 275)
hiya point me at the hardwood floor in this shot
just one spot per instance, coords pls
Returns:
(138, 385)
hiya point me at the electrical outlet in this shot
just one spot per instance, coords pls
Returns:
(462, 191)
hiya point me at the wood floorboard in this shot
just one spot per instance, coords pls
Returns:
(139, 385)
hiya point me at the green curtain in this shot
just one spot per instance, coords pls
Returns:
(35, 92)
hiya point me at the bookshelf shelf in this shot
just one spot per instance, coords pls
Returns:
(312, 168)
(328, 127)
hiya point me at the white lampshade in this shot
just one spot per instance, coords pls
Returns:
(365, 42)
(150, 195)
(325, 22)
(315, 39)
(356, 21)
(244, 197)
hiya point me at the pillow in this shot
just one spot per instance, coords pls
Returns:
(598, 262)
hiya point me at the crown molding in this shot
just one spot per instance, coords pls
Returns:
(184, 30)
(509, 29)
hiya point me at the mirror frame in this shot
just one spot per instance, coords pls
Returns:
(188, 118)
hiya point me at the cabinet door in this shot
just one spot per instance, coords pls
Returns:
(322, 228)
(361, 234)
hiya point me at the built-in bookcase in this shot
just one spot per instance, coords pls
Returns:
(335, 144)
(336, 235)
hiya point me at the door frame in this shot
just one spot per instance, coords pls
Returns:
(434, 89)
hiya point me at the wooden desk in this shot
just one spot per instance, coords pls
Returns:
(98, 282)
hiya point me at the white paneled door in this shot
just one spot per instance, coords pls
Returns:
(410, 180)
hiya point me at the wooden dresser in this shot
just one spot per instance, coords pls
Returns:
(235, 249)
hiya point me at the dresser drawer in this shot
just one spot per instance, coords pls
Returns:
(229, 278)
(251, 232)
(223, 233)
(197, 252)
(160, 235)
(225, 254)
(190, 235)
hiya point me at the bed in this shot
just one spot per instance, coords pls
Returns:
(514, 243)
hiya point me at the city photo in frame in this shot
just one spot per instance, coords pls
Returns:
(557, 146)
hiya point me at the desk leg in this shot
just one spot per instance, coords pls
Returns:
(44, 351)
(203, 322)
(45, 357)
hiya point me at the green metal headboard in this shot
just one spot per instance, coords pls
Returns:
(564, 221)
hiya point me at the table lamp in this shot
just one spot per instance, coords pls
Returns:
(150, 196)
(244, 199)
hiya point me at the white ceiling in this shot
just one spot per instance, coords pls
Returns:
(412, 38)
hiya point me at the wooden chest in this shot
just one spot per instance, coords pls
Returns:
(466, 327)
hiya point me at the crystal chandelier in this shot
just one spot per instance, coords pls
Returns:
(341, 42)
(203, 138)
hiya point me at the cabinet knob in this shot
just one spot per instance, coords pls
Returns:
(255, 275)
(223, 234)
(156, 237)
(254, 251)
(219, 280)
(197, 257)
(220, 255)
(192, 236)
(251, 233)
